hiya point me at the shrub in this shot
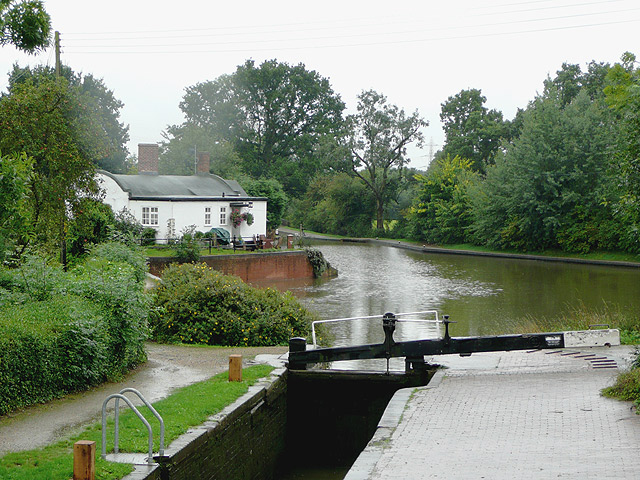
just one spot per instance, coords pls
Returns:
(148, 236)
(196, 304)
(188, 248)
(62, 332)
(50, 348)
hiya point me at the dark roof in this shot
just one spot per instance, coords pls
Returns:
(179, 187)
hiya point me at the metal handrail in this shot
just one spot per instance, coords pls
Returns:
(140, 416)
(369, 317)
(150, 407)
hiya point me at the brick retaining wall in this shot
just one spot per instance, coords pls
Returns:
(250, 267)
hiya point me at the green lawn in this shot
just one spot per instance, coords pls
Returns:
(187, 407)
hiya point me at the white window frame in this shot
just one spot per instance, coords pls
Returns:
(150, 216)
(207, 216)
(223, 215)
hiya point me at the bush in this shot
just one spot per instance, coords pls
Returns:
(50, 348)
(188, 248)
(196, 304)
(62, 332)
(148, 237)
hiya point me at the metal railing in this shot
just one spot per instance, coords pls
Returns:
(398, 315)
(118, 397)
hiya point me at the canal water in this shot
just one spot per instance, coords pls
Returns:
(484, 295)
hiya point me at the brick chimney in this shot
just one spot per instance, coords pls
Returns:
(203, 163)
(148, 158)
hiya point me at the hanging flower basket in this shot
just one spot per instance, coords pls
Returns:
(237, 218)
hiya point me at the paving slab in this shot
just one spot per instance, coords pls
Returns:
(509, 415)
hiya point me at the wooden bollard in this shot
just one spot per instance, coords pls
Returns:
(235, 368)
(84, 460)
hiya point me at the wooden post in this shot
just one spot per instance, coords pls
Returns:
(235, 368)
(84, 460)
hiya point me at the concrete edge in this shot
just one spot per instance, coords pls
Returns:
(365, 464)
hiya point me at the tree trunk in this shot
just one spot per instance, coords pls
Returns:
(379, 214)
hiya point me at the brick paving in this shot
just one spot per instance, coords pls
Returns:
(516, 415)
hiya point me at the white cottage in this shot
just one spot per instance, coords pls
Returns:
(169, 203)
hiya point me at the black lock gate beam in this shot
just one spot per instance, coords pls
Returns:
(415, 350)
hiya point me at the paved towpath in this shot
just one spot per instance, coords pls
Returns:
(509, 415)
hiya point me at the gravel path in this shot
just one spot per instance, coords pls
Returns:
(168, 367)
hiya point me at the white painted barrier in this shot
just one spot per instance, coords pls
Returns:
(592, 338)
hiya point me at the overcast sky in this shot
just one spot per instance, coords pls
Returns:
(417, 53)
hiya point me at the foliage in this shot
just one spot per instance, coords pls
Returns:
(623, 96)
(53, 124)
(550, 177)
(377, 140)
(188, 248)
(101, 106)
(24, 24)
(148, 236)
(472, 131)
(15, 174)
(627, 385)
(126, 228)
(277, 200)
(91, 223)
(441, 212)
(66, 331)
(317, 260)
(335, 203)
(184, 408)
(196, 304)
(273, 115)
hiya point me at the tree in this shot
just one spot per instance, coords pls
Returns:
(276, 198)
(105, 109)
(472, 131)
(441, 212)
(15, 176)
(336, 203)
(55, 125)
(183, 142)
(547, 191)
(623, 96)
(25, 25)
(377, 140)
(274, 115)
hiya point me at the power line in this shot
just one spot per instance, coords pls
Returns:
(361, 44)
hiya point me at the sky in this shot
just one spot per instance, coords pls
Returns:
(416, 53)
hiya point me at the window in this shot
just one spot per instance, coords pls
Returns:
(149, 215)
(223, 215)
(207, 215)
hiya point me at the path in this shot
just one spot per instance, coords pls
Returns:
(509, 415)
(168, 367)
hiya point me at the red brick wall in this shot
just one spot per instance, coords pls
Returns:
(250, 267)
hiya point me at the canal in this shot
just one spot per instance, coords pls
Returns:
(484, 295)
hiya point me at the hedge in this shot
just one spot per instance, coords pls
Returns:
(62, 332)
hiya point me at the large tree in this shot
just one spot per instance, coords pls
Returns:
(274, 114)
(55, 125)
(377, 139)
(623, 96)
(105, 109)
(24, 24)
(472, 131)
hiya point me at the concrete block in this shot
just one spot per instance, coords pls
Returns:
(592, 338)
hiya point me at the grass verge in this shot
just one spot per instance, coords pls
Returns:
(581, 318)
(185, 408)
